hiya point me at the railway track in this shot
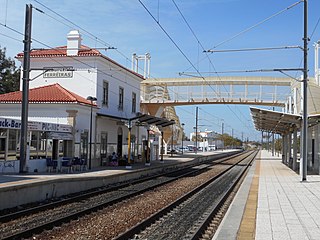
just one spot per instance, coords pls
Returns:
(190, 216)
(32, 221)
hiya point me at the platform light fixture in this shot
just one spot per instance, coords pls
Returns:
(91, 99)
(182, 125)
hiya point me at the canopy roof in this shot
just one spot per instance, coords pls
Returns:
(151, 120)
(143, 119)
(275, 122)
(279, 122)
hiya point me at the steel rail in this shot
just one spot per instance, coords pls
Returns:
(43, 207)
(205, 223)
(153, 218)
(59, 221)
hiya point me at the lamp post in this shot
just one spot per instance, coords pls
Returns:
(91, 99)
(171, 140)
(182, 124)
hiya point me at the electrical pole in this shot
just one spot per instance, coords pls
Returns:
(25, 90)
(196, 129)
(222, 128)
(303, 164)
(241, 138)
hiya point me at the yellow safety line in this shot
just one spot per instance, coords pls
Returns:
(248, 223)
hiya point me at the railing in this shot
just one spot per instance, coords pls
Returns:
(269, 91)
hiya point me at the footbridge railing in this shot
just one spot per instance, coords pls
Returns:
(272, 91)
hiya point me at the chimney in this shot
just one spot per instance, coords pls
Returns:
(73, 43)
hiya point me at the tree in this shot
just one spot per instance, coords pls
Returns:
(230, 141)
(9, 74)
(199, 138)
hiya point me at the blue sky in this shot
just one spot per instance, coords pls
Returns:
(126, 25)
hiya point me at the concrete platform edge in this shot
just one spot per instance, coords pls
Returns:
(230, 224)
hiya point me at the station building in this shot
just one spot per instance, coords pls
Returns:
(61, 81)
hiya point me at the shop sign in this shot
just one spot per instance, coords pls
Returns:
(55, 127)
(60, 135)
(10, 123)
(37, 126)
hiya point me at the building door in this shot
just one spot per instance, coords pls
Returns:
(119, 142)
(55, 149)
(312, 152)
(3, 148)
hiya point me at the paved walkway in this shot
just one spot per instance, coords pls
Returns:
(287, 208)
(273, 197)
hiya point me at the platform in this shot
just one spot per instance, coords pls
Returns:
(19, 189)
(273, 204)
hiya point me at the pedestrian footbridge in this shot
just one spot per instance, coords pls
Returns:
(267, 91)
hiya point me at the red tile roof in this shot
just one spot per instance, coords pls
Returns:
(61, 52)
(84, 51)
(47, 94)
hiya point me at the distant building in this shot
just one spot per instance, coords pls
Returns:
(209, 140)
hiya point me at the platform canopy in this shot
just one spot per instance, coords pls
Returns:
(141, 119)
(273, 121)
(152, 120)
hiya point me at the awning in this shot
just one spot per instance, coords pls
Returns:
(279, 122)
(151, 120)
(142, 119)
(273, 121)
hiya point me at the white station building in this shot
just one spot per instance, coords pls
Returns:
(61, 81)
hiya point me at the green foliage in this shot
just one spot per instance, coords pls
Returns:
(9, 75)
(278, 145)
(199, 137)
(230, 141)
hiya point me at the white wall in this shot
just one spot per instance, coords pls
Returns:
(119, 78)
(83, 81)
(87, 80)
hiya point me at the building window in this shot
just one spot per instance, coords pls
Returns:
(121, 95)
(134, 102)
(103, 148)
(105, 93)
(84, 145)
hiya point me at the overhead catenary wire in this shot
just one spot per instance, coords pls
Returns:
(171, 39)
(6, 13)
(250, 28)
(315, 28)
(86, 33)
(179, 47)
(13, 38)
(255, 49)
(61, 64)
(256, 25)
(203, 49)
(60, 50)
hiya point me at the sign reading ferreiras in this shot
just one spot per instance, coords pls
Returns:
(58, 73)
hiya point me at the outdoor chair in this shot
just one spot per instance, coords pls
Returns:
(51, 165)
(76, 163)
(83, 164)
(66, 162)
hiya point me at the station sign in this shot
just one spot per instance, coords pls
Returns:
(58, 73)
